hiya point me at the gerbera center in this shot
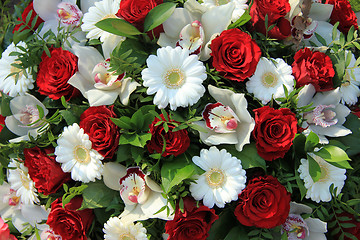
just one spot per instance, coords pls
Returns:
(269, 79)
(215, 177)
(174, 78)
(82, 154)
(126, 236)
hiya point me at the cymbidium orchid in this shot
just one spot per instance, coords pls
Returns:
(95, 82)
(227, 121)
(307, 229)
(329, 115)
(25, 120)
(194, 26)
(141, 195)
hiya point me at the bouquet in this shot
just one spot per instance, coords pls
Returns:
(180, 119)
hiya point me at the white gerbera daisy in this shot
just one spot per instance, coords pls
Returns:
(320, 190)
(175, 77)
(115, 229)
(223, 180)
(349, 90)
(240, 6)
(20, 181)
(101, 10)
(75, 154)
(9, 85)
(269, 78)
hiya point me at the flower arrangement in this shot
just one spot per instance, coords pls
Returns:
(180, 119)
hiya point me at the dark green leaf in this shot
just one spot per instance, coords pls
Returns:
(312, 140)
(314, 169)
(97, 195)
(118, 26)
(158, 15)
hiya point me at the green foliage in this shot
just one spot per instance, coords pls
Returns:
(118, 27)
(158, 15)
(72, 192)
(97, 195)
(241, 21)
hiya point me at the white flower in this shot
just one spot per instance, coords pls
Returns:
(329, 115)
(175, 77)
(235, 127)
(115, 228)
(75, 154)
(298, 228)
(349, 90)
(240, 7)
(320, 190)
(195, 25)
(269, 78)
(20, 181)
(223, 180)
(142, 196)
(25, 112)
(95, 82)
(10, 85)
(19, 213)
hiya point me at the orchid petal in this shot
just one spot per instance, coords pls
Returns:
(316, 225)
(297, 208)
(110, 43)
(320, 12)
(305, 95)
(127, 88)
(98, 97)
(47, 10)
(81, 83)
(173, 25)
(327, 98)
(324, 29)
(34, 214)
(154, 203)
(86, 4)
(332, 131)
(112, 174)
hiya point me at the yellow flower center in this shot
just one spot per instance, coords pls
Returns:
(81, 154)
(324, 173)
(215, 177)
(174, 78)
(269, 79)
(126, 236)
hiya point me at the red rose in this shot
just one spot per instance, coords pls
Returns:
(313, 67)
(274, 131)
(23, 18)
(343, 14)
(68, 222)
(44, 170)
(135, 11)
(54, 73)
(276, 11)
(264, 203)
(194, 223)
(176, 142)
(2, 122)
(235, 54)
(103, 133)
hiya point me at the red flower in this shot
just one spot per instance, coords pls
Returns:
(313, 67)
(54, 73)
(235, 54)
(2, 122)
(103, 133)
(264, 203)
(351, 219)
(5, 231)
(343, 14)
(68, 222)
(276, 11)
(135, 11)
(176, 142)
(24, 15)
(274, 131)
(194, 223)
(44, 170)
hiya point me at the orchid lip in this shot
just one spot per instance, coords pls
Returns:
(220, 118)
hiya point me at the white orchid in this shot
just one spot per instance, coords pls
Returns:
(95, 82)
(194, 26)
(25, 120)
(329, 115)
(141, 195)
(228, 122)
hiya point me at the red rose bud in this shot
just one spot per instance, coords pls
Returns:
(176, 142)
(235, 54)
(2, 122)
(103, 133)
(194, 223)
(274, 131)
(264, 203)
(27, 10)
(313, 67)
(44, 170)
(68, 222)
(276, 11)
(343, 14)
(55, 72)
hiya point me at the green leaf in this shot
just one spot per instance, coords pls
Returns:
(123, 122)
(118, 26)
(248, 156)
(237, 233)
(312, 140)
(123, 153)
(138, 119)
(332, 154)
(355, 5)
(320, 39)
(222, 226)
(338, 60)
(97, 195)
(139, 51)
(314, 169)
(352, 141)
(158, 15)
(5, 105)
(334, 31)
(241, 21)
